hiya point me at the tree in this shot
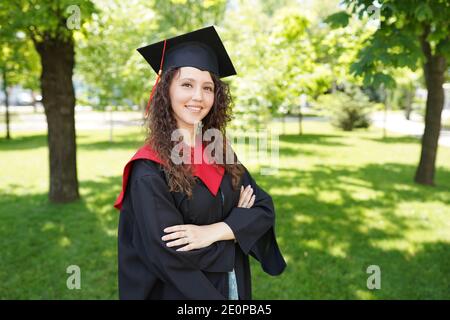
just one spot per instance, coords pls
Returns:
(176, 16)
(411, 33)
(245, 35)
(404, 93)
(50, 25)
(116, 73)
(284, 54)
(293, 68)
(18, 66)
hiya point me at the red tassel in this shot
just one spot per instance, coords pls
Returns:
(157, 80)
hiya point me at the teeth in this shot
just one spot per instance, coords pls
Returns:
(194, 109)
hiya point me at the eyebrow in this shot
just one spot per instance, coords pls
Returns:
(207, 82)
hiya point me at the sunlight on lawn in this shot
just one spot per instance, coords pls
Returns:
(344, 201)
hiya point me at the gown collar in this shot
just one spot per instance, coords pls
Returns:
(210, 174)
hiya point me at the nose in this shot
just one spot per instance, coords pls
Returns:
(198, 94)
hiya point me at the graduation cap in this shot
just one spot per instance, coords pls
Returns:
(202, 49)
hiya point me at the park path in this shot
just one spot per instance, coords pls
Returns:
(396, 122)
(24, 119)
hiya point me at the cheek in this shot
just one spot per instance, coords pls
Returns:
(180, 97)
(209, 101)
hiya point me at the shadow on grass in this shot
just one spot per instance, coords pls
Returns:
(115, 144)
(130, 141)
(120, 141)
(394, 140)
(316, 139)
(24, 142)
(306, 139)
(330, 244)
(127, 142)
(40, 240)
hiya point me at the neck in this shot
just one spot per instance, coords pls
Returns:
(189, 133)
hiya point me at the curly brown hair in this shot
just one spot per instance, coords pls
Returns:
(162, 122)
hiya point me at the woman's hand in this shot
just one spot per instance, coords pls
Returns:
(247, 198)
(195, 237)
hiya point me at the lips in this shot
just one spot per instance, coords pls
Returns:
(194, 109)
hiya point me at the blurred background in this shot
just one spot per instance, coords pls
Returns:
(357, 94)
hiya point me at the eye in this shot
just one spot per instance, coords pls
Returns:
(186, 84)
(211, 89)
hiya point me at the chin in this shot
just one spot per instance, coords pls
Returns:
(192, 119)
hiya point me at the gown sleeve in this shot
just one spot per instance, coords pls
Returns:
(155, 210)
(254, 229)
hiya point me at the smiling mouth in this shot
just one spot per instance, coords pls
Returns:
(194, 109)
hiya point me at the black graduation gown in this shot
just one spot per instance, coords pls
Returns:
(148, 269)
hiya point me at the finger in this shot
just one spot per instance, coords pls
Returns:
(174, 235)
(241, 200)
(252, 201)
(186, 248)
(178, 242)
(240, 196)
(247, 196)
(174, 228)
(243, 195)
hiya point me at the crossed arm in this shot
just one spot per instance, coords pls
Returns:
(196, 237)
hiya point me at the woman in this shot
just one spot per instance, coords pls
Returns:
(186, 229)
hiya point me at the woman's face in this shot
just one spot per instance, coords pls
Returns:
(191, 95)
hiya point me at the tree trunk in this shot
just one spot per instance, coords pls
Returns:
(58, 97)
(385, 115)
(409, 98)
(300, 123)
(5, 91)
(434, 70)
(34, 102)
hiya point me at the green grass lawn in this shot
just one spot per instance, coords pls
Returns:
(344, 201)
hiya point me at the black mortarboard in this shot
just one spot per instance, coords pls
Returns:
(202, 49)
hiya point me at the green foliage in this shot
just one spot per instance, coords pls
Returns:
(292, 58)
(403, 95)
(348, 110)
(44, 20)
(24, 23)
(338, 19)
(114, 72)
(19, 61)
(396, 43)
(180, 16)
(337, 50)
(276, 59)
(108, 64)
(245, 39)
